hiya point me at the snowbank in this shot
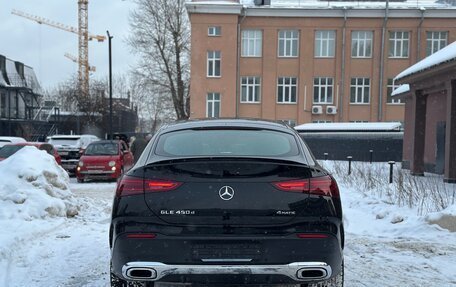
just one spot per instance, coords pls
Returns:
(445, 218)
(34, 186)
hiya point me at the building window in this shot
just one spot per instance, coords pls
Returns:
(358, 121)
(359, 90)
(213, 63)
(286, 90)
(325, 43)
(323, 91)
(213, 105)
(250, 89)
(288, 43)
(321, 122)
(389, 90)
(435, 41)
(398, 44)
(214, 31)
(251, 43)
(3, 107)
(362, 44)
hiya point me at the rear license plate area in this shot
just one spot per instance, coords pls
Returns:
(213, 251)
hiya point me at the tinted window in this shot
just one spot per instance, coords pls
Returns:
(102, 149)
(227, 143)
(8, 150)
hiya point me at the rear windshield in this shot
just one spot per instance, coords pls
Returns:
(264, 143)
(64, 141)
(102, 149)
(8, 150)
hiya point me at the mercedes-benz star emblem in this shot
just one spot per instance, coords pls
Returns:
(226, 192)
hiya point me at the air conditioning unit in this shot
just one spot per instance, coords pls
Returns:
(331, 110)
(317, 110)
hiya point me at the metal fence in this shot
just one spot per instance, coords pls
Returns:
(362, 146)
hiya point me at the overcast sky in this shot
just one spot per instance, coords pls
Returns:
(43, 47)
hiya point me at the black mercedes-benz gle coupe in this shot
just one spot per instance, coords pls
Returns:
(227, 201)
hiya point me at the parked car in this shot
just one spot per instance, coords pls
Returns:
(8, 150)
(227, 201)
(70, 148)
(106, 159)
(11, 140)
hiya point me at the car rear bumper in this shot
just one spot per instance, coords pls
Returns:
(296, 271)
(243, 260)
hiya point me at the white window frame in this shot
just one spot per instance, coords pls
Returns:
(214, 31)
(390, 87)
(361, 44)
(436, 41)
(211, 100)
(287, 90)
(323, 86)
(325, 43)
(212, 59)
(252, 85)
(288, 38)
(252, 43)
(360, 91)
(397, 40)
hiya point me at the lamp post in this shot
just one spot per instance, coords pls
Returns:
(110, 86)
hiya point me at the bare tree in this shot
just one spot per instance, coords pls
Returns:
(161, 36)
(66, 95)
(154, 105)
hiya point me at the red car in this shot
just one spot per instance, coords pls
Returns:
(8, 150)
(106, 159)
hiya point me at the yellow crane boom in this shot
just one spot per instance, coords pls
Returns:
(83, 37)
(75, 59)
(45, 21)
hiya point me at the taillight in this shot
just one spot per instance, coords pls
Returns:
(133, 185)
(324, 185)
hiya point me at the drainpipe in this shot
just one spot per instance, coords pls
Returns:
(238, 59)
(342, 82)
(382, 66)
(418, 55)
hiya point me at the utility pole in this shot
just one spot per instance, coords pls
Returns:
(110, 86)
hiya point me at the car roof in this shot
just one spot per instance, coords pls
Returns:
(71, 136)
(13, 139)
(226, 123)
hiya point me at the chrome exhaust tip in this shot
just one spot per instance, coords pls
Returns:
(312, 273)
(141, 273)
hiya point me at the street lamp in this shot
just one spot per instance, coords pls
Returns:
(110, 85)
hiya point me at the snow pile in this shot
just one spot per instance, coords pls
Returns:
(34, 186)
(445, 218)
(401, 89)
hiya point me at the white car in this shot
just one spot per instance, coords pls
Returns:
(70, 148)
(11, 140)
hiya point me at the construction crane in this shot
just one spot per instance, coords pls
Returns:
(75, 59)
(83, 40)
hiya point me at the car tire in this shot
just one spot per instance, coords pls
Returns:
(118, 282)
(337, 281)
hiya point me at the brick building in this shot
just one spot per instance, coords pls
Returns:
(307, 60)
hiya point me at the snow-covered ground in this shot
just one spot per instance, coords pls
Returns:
(386, 245)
